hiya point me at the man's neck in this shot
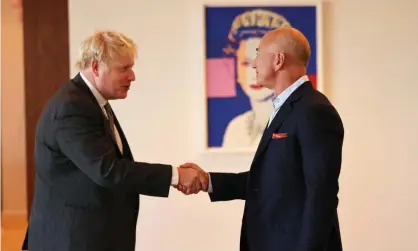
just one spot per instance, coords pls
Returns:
(283, 82)
(87, 75)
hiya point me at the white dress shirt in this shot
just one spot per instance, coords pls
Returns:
(281, 98)
(102, 102)
(277, 103)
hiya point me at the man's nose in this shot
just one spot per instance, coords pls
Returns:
(132, 76)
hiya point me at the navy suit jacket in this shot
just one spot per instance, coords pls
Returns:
(291, 189)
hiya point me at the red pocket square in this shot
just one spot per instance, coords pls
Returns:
(279, 135)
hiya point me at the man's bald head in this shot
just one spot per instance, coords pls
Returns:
(282, 58)
(291, 42)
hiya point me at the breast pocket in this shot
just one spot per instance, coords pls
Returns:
(280, 144)
(281, 154)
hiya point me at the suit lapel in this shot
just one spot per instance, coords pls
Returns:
(108, 129)
(125, 146)
(126, 151)
(78, 80)
(277, 121)
(281, 115)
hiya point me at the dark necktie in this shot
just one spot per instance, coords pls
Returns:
(114, 132)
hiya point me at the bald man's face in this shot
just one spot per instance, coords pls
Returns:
(264, 64)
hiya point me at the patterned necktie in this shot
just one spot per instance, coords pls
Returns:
(113, 128)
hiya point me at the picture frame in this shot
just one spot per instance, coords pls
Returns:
(234, 122)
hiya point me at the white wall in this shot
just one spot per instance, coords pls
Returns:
(371, 73)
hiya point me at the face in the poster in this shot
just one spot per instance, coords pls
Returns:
(246, 74)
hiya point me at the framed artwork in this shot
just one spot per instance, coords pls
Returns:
(237, 111)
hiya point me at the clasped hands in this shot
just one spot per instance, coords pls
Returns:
(192, 179)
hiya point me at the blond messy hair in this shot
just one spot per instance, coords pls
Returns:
(104, 47)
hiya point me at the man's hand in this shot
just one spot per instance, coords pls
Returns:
(192, 179)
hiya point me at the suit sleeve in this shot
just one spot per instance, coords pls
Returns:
(79, 134)
(321, 138)
(228, 186)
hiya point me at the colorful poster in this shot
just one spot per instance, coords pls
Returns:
(238, 111)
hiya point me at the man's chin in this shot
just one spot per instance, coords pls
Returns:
(123, 95)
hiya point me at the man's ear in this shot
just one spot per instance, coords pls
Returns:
(95, 67)
(279, 59)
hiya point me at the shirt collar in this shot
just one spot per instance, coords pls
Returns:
(100, 99)
(281, 98)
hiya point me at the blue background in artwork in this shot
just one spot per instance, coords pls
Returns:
(218, 22)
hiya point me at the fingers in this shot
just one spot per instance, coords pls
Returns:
(192, 179)
(204, 181)
(195, 186)
(192, 165)
(188, 165)
(187, 181)
(199, 184)
(181, 188)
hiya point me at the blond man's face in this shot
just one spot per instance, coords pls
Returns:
(114, 80)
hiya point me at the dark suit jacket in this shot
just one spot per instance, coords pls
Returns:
(86, 192)
(292, 186)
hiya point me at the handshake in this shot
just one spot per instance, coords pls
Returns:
(192, 179)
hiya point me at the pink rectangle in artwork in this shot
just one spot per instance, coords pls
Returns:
(220, 78)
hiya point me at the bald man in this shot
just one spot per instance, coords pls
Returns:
(291, 188)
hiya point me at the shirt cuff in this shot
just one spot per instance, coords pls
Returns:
(175, 176)
(210, 189)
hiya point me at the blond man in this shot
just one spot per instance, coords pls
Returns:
(87, 183)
